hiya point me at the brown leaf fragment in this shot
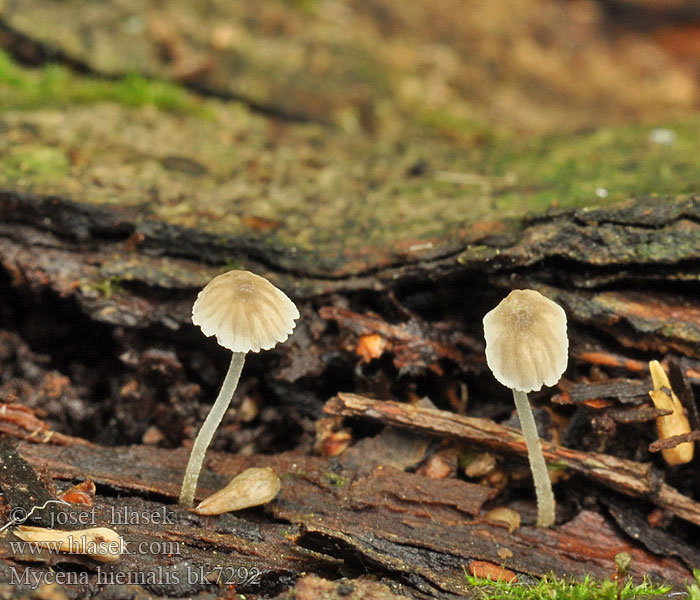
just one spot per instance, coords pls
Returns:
(595, 403)
(608, 359)
(658, 518)
(82, 494)
(370, 346)
(260, 223)
(336, 443)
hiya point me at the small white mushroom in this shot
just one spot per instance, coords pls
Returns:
(527, 347)
(526, 341)
(246, 313)
(101, 543)
(253, 487)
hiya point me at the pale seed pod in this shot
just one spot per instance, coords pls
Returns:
(253, 487)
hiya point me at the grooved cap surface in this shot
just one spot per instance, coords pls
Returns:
(244, 311)
(526, 341)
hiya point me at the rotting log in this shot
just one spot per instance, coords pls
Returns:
(127, 279)
(76, 250)
(421, 533)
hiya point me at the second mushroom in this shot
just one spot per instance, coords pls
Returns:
(526, 348)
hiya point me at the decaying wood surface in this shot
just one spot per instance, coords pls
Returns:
(629, 477)
(333, 517)
(420, 532)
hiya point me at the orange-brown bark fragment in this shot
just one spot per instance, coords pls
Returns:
(487, 570)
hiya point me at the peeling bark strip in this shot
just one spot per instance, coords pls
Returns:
(626, 476)
(75, 250)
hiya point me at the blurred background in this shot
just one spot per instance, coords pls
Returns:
(324, 120)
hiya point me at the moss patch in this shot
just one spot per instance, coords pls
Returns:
(348, 201)
(336, 480)
(37, 162)
(606, 165)
(552, 588)
(55, 85)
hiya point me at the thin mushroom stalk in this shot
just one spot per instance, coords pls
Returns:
(209, 427)
(540, 475)
(246, 313)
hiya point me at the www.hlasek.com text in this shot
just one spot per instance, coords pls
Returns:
(80, 544)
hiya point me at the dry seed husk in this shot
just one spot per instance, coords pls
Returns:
(253, 487)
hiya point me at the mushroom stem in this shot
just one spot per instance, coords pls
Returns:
(206, 433)
(543, 485)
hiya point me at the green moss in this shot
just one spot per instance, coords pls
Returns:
(694, 588)
(451, 125)
(106, 287)
(55, 85)
(38, 162)
(442, 172)
(598, 167)
(309, 6)
(552, 588)
(336, 480)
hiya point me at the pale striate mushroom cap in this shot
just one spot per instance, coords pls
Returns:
(526, 341)
(244, 311)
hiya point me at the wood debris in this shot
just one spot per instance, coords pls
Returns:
(627, 476)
